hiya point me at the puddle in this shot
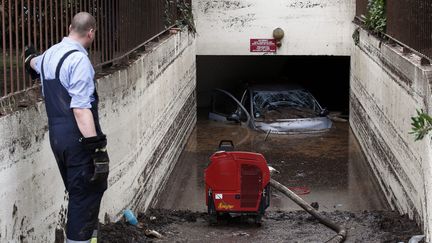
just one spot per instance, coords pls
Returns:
(329, 167)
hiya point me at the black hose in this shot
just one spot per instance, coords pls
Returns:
(341, 232)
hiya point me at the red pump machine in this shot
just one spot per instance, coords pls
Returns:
(237, 183)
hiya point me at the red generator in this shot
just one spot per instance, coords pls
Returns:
(237, 183)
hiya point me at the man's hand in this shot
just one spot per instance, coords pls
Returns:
(97, 147)
(30, 53)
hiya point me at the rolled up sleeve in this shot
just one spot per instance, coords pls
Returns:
(38, 64)
(81, 83)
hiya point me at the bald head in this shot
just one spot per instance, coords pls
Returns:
(82, 23)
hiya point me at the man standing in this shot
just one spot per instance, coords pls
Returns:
(76, 138)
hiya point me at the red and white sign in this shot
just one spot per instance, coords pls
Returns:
(263, 45)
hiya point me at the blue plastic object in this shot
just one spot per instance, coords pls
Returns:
(130, 217)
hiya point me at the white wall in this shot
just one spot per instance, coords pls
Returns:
(312, 27)
(386, 90)
(147, 110)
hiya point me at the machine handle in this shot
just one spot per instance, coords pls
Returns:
(229, 147)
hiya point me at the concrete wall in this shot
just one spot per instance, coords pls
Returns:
(312, 27)
(147, 110)
(386, 89)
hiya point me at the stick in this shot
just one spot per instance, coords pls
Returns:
(341, 232)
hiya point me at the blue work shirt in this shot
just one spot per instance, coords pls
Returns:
(76, 73)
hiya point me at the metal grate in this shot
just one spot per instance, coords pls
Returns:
(123, 25)
(251, 178)
(410, 22)
(361, 8)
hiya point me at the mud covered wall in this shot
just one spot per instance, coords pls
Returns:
(386, 89)
(147, 111)
(312, 27)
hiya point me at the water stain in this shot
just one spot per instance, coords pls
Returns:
(206, 6)
(307, 4)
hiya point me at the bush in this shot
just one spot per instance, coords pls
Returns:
(376, 18)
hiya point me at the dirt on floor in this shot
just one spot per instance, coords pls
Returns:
(277, 226)
(328, 168)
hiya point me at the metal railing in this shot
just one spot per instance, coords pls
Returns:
(361, 7)
(122, 27)
(409, 23)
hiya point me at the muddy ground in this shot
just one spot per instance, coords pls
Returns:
(329, 167)
(278, 226)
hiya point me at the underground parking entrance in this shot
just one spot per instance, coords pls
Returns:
(295, 112)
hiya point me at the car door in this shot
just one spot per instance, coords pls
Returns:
(226, 108)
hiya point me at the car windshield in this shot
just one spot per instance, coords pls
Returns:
(284, 104)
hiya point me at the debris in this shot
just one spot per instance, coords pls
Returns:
(23, 103)
(337, 117)
(301, 174)
(240, 234)
(366, 227)
(339, 229)
(273, 170)
(59, 235)
(130, 217)
(152, 233)
(107, 219)
(315, 205)
(416, 238)
(267, 135)
(152, 218)
(300, 190)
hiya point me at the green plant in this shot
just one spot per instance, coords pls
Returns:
(376, 17)
(183, 11)
(421, 125)
(356, 36)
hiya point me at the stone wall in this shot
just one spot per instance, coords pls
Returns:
(147, 109)
(386, 89)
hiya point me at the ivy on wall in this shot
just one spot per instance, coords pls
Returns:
(376, 20)
(184, 14)
(356, 36)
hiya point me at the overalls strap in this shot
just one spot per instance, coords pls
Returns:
(59, 65)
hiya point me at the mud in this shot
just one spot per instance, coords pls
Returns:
(329, 166)
(287, 113)
(278, 226)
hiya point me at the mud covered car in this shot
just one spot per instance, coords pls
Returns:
(271, 108)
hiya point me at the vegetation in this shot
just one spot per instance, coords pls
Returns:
(421, 125)
(356, 36)
(183, 10)
(376, 20)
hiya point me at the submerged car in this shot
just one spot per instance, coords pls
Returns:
(274, 109)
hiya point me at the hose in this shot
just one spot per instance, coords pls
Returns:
(341, 232)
